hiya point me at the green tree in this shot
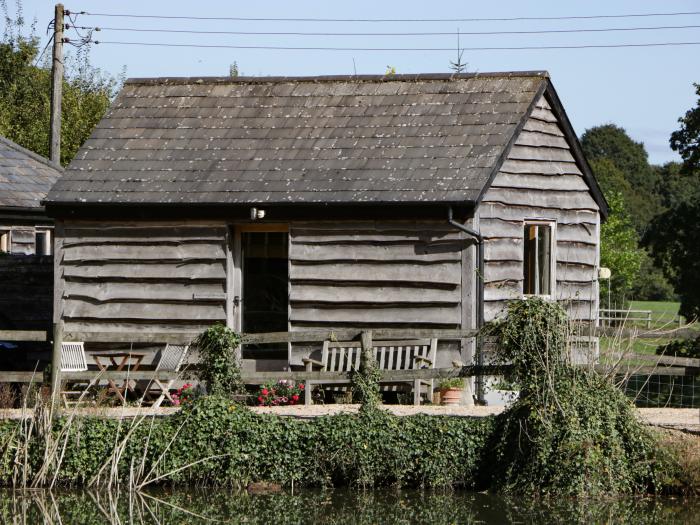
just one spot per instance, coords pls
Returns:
(676, 248)
(25, 91)
(621, 165)
(674, 236)
(686, 140)
(619, 250)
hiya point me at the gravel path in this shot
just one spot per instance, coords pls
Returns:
(687, 419)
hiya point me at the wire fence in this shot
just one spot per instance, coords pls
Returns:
(662, 391)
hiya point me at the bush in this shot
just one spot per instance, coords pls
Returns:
(681, 348)
(219, 367)
(213, 441)
(571, 432)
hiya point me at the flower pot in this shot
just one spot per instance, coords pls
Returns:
(450, 396)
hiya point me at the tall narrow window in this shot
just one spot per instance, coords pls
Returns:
(537, 258)
(43, 244)
(4, 241)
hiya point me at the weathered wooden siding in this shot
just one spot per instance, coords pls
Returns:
(141, 276)
(541, 180)
(26, 291)
(21, 239)
(375, 273)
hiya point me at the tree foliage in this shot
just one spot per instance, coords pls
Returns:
(676, 248)
(25, 91)
(686, 140)
(621, 165)
(674, 236)
(619, 250)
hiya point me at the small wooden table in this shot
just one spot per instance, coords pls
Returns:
(117, 361)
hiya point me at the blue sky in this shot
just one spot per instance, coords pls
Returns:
(645, 90)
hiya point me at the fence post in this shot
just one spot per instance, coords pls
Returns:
(56, 362)
(366, 341)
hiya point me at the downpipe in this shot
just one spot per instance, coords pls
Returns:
(479, 293)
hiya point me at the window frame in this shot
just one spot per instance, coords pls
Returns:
(552, 224)
(8, 242)
(49, 240)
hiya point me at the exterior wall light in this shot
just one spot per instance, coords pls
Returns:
(256, 214)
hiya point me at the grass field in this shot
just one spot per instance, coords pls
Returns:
(664, 315)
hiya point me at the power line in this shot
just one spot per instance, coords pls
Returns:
(503, 19)
(312, 48)
(437, 33)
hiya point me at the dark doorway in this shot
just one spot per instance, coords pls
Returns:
(265, 289)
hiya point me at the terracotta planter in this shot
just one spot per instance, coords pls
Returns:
(450, 396)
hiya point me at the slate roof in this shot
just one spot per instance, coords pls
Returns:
(25, 177)
(285, 140)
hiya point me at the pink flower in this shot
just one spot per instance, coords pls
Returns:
(295, 398)
(265, 391)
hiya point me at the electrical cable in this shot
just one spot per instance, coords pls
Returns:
(437, 33)
(312, 48)
(500, 19)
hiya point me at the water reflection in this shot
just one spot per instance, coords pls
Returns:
(185, 506)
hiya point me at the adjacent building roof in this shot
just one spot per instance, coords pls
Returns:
(303, 140)
(25, 177)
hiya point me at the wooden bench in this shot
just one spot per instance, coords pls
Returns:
(390, 355)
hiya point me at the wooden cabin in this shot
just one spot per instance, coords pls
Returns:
(26, 243)
(293, 203)
(25, 179)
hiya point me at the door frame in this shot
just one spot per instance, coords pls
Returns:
(234, 268)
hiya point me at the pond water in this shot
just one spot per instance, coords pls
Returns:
(199, 506)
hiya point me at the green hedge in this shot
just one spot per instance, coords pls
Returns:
(234, 446)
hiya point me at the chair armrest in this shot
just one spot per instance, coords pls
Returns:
(310, 362)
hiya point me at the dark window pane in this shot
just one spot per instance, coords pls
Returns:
(530, 259)
(544, 258)
(537, 259)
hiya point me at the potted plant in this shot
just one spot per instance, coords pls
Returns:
(451, 391)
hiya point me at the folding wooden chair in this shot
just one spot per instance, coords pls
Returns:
(171, 359)
(73, 360)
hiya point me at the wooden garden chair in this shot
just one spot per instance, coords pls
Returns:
(73, 360)
(171, 359)
(412, 354)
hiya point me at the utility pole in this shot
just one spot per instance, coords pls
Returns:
(56, 86)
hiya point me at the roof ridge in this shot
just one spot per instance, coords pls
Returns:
(30, 153)
(412, 77)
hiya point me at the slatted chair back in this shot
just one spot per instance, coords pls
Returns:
(73, 357)
(390, 355)
(172, 357)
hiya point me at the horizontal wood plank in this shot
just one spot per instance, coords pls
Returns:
(442, 314)
(510, 211)
(537, 139)
(554, 200)
(373, 294)
(76, 308)
(528, 181)
(133, 271)
(139, 253)
(443, 273)
(135, 291)
(23, 335)
(418, 253)
(540, 153)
